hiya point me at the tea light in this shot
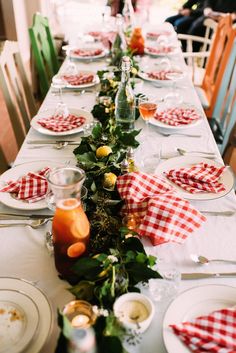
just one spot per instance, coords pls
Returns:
(79, 313)
(105, 100)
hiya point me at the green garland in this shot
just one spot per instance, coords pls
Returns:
(117, 261)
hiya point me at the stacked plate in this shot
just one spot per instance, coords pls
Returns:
(25, 316)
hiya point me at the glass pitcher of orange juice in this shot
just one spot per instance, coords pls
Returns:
(70, 226)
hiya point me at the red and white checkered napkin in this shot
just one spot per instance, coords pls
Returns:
(177, 116)
(160, 49)
(160, 75)
(32, 187)
(87, 52)
(213, 333)
(79, 79)
(201, 177)
(58, 123)
(163, 215)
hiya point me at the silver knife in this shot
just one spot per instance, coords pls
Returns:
(219, 213)
(22, 216)
(199, 275)
(45, 142)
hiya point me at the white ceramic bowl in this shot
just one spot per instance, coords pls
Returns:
(135, 311)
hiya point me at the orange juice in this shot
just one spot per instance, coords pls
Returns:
(70, 230)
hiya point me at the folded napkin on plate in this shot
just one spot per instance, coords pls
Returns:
(79, 79)
(201, 177)
(163, 215)
(58, 123)
(161, 75)
(160, 50)
(32, 187)
(211, 333)
(177, 116)
(87, 52)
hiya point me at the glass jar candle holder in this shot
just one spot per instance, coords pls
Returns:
(79, 313)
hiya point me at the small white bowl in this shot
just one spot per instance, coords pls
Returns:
(135, 311)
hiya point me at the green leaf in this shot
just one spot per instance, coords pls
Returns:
(141, 258)
(87, 157)
(133, 243)
(87, 267)
(110, 344)
(83, 290)
(152, 260)
(140, 272)
(97, 131)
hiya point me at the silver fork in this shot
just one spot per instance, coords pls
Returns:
(178, 134)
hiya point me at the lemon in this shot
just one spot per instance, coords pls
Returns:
(109, 180)
(103, 151)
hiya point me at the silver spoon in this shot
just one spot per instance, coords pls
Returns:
(183, 152)
(179, 134)
(58, 145)
(34, 224)
(204, 261)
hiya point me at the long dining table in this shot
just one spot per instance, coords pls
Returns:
(24, 255)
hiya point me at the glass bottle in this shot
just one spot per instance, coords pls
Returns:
(119, 45)
(70, 226)
(131, 162)
(82, 341)
(128, 14)
(125, 100)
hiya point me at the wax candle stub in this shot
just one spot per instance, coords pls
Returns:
(80, 321)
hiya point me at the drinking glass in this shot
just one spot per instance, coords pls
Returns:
(59, 83)
(147, 107)
(174, 96)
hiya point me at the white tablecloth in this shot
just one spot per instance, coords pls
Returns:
(23, 253)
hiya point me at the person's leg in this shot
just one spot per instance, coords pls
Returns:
(197, 29)
(182, 25)
(173, 19)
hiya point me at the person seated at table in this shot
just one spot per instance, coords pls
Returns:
(117, 6)
(214, 9)
(188, 13)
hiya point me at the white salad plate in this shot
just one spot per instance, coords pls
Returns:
(17, 172)
(44, 114)
(144, 76)
(192, 303)
(37, 311)
(91, 57)
(227, 178)
(84, 85)
(19, 319)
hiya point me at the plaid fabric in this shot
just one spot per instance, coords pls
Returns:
(163, 215)
(160, 75)
(160, 49)
(87, 52)
(79, 79)
(156, 35)
(201, 177)
(214, 333)
(31, 187)
(58, 123)
(177, 116)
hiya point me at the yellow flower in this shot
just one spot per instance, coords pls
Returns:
(109, 180)
(134, 71)
(103, 151)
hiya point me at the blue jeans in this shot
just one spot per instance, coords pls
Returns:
(181, 23)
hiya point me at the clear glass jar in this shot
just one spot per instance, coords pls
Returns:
(70, 226)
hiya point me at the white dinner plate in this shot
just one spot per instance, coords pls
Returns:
(84, 85)
(169, 128)
(145, 77)
(92, 57)
(197, 301)
(227, 178)
(19, 320)
(14, 174)
(44, 114)
(43, 308)
(176, 50)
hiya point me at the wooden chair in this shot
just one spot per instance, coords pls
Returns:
(3, 162)
(44, 52)
(16, 90)
(216, 64)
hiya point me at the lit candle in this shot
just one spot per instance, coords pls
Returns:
(81, 321)
(79, 313)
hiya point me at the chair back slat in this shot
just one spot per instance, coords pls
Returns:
(44, 52)
(217, 61)
(16, 90)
